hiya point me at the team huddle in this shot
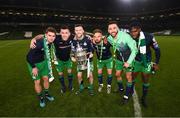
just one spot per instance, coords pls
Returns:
(128, 52)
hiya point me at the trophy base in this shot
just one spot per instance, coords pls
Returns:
(82, 67)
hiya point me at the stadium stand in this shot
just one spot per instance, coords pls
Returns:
(16, 20)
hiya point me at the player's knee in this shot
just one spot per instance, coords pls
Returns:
(100, 71)
(69, 71)
(91, 76)
(109, 72)
(60, 74)
(129, 76)
(118, 74)
(79, 76)
(37, 82)
(45, 78)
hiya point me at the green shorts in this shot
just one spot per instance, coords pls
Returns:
(139, 67)
(119, 66)
(42, 70)
(91, 68)
(63, 64)
(108, 63)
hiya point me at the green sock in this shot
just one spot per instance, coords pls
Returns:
(119, 81)
(81, 87)
(90, 86)
(40, 95)
(46, 91)
(129, 84)
(145, 89)
(120, 84)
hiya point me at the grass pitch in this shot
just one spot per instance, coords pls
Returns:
(19, 99)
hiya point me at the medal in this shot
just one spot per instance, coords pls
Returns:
(115, 47)
(101, 50)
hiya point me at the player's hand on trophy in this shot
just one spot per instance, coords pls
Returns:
(91, 55)
(73, 59)
(33, 43)
(35, 72)
(126, 65)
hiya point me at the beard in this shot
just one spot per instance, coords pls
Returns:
(64, 38)
(97, 42)
(114, 34)
(79, 35)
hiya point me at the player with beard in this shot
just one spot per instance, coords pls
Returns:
(104, 58)
(85, 43)
(62, 45)
(124, 49)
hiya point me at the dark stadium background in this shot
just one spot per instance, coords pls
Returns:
(155, 15)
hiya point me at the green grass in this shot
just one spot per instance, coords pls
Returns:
(19, 99)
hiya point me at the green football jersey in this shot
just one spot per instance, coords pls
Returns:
(122, 43)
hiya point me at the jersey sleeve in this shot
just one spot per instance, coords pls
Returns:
(90, 46)
(132, 45)
(30, 55)
(156, 48)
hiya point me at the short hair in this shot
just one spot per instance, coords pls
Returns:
(112, 22)
(65, 27)
(50, 29)
(78, 25)
(135, 23)
(97, 31)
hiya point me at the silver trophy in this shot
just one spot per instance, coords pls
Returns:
(81, 58)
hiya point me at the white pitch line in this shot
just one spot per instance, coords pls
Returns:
(137, 107)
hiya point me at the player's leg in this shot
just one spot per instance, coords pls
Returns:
(60, 68)
(90, 87)
(109, 80)
(44, 75)
(138, 67)
(100, 80)
(80, 81)
(128, 86)
(119, 68)
(91, 79)
(119, 80)
(70, 75)
(109, 66)
(61, 79)
(145, 88)
(37, 85)
(70, 79)
(145, 78)
(38, 90)
(100, 75)
(134, 76)
(46, 88)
